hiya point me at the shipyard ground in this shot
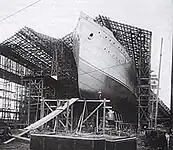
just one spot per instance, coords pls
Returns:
(16, 145)
(142, 146)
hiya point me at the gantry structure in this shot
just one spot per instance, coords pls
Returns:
(29, 59)
(137, 42)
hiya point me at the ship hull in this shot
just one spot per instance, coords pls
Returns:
(91, 81)
(104, 65)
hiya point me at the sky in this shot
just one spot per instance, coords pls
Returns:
(57, 18)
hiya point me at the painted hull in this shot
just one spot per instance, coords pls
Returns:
(104, 65)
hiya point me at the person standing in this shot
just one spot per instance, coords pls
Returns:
(167, 139)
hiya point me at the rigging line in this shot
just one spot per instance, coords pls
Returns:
(8, 16)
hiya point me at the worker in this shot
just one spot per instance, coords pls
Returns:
(167, 139)
(100, 95)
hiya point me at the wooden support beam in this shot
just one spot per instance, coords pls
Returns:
(104, 115)
(55, 124)
(80, 100)
(67, 117)
(56, 117)
(29, 101)
(12, 139)
(21, 138)
(51, 115)
(42, 109)
(97, 121)
(83, 113)
(94, 101)
(78, 123)
(71, 129)
(48, 106)
(92, 112)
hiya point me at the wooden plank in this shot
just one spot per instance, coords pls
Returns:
(51, 115)
(44, 120)
(21, 138)
(12, 139)
(88, 100)
(92, 112)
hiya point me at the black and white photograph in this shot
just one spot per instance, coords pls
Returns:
(86, 75)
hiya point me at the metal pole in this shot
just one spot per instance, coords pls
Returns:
(104, 115)
(171, 114)
(157, 95)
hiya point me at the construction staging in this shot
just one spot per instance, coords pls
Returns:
(45, 87)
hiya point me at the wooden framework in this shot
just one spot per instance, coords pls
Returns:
(93, 121)
(37, 88)
(62, 114)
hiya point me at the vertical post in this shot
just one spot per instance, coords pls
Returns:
(139, 112)
(57, 117)
(116, 123)
(55, 124)
(152, 112)
(83, 113)
(71, 129)
(42, 101)
(29, 102)
(139, 90)
(157, 95)
(42, 109)
(119, 122)
(97, 121)
(104, 115)
(67, 117)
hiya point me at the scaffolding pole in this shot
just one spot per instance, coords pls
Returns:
(157, 95)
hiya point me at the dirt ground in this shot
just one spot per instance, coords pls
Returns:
(142, 146)
(16, 145)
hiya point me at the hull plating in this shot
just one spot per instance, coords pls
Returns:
(104, 65)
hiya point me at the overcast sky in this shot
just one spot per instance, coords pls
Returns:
(57, 18)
